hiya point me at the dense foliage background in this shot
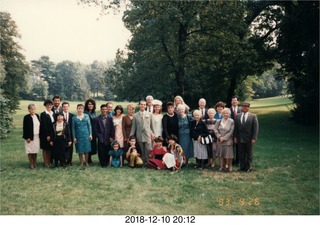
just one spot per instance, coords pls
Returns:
(210, 49)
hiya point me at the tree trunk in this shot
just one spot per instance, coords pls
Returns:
(231, 90)
(180, 74)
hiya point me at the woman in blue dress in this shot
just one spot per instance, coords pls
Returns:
(90, 109)
(185, 139)
(115, 155)
(82, 132)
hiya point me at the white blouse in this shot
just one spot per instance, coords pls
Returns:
(36, 125)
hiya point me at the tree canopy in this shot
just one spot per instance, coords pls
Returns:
(298, 53)
(210, 48)
(13, 60)
(189, 48)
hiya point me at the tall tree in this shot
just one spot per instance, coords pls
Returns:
(96, 77)
(293, 26)
(191, 48)
(71, 82)
(6, 121)
(46, 69)
(299, 56)
(13, 60)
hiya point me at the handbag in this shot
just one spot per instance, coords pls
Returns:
(206, 140)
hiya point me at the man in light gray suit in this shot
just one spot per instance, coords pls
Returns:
(141, 129)
(245, 134)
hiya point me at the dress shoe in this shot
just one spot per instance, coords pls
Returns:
(248, 170)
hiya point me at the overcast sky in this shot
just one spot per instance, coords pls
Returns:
(64, 30)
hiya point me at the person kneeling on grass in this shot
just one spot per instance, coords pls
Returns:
(157, 154)
(115, 155)
(176, 151)
(132, 154)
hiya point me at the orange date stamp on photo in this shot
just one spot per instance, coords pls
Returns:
(240, 201)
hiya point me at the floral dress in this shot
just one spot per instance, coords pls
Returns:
(178, 153)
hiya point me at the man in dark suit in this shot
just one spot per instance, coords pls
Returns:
(235, 110)
(56, 109)
(104, 130)
(202, 107)
(68, 119)
(245, 134)
(56, 105)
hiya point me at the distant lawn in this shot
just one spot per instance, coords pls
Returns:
(271, 102)
(285, 180)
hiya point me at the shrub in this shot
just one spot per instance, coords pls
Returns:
(6, 121)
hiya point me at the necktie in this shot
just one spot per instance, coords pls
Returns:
(234, 112)
(244, 118)
(142, 117)
(66, 117)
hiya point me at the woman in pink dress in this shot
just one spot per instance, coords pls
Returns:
(117, 122)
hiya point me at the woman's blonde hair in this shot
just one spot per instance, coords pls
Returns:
(197, 111)
(182, 102)
(212, 110)
(226, 110)
(131, 105)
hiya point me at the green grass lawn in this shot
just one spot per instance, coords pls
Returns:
(285, 180)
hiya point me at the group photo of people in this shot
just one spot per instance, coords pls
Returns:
(150, 135)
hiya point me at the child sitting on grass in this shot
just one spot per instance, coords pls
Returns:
(132, 154)
(115, 155)
(175, 149)
(157, 154)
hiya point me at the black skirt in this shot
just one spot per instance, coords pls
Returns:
(59, 148)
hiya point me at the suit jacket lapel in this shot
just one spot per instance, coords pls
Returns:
(101, 123)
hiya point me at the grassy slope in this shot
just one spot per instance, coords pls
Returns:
(285, 180)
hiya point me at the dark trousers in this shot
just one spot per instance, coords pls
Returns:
(93, 148)
(236, 154)
(59, 151)
(246, 155)
(103, 154)
(201, 162)
(69, 154)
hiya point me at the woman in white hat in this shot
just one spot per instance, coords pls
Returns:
(156, 118)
